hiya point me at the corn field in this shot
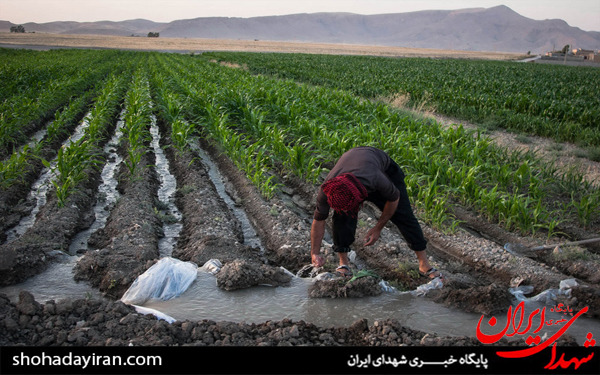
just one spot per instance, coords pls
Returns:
(296, 114)
(552, 101)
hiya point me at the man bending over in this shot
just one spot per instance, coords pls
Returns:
(365, 173)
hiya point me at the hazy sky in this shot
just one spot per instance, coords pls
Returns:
(584, 14)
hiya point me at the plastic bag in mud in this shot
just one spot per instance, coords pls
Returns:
(166, 279)
(386, 287)
(308, 271)
(422, 290)
(213, 266)
(156, 313)
(548, 296)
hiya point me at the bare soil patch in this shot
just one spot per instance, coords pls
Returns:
(185, 45)
(564, 155)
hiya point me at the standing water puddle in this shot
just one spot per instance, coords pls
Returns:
(204, 300)
(55, 283)
(166, 195)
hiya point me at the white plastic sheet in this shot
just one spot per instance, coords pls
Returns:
(547, 296)
(156, 313)
(166, 279)
(386, 287)
(213, 266)
(423, 289)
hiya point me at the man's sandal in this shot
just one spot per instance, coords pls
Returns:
(431, 272)
(344, 271)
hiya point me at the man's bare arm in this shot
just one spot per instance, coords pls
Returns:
(317, 232)
(387, 213)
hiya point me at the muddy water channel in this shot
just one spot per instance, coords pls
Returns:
(166, 196)
(262, 303)
(196, 207)
(204, 300)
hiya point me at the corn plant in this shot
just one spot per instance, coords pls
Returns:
(13, 169)
(302, 163)
(587, 208)
(531, 98)
(181, 133)
(69, 75)
(77, 158)
(71, 167)
(171, 110)
(67, 117)
(137, 119)
(250, 158)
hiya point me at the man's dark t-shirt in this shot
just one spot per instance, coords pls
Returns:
(368, 165)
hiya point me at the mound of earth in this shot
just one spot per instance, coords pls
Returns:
(341, 287)
(241, 274)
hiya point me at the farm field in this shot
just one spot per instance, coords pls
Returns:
(194, 45)
(557, 102)
(274, 128)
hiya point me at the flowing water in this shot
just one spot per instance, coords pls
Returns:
(107, 192)
(204, 300)
(38, 136)
(39, 189)
(250, 236)
(166, 195)
(55, 283)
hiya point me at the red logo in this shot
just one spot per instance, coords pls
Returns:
(516, 325)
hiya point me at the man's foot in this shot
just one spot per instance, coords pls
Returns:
(344, 271)
(431, 273)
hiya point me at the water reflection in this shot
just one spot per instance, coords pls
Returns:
(55, 283)
(204, 300)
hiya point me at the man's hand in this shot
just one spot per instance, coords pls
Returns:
(317, 260)
(374, 233)
(372, 236)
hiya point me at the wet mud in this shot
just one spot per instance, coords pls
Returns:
(478, 271)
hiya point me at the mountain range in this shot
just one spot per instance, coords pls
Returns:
(477, 29)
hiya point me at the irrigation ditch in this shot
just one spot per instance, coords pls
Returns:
(481, 277)
(478, 272)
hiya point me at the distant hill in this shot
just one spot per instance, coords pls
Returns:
(478, 29)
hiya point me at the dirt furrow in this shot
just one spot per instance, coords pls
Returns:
(128, 243)
(52, 231)
(210, 230)
(285, 236)
(13, 204)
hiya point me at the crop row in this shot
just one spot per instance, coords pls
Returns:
(75, 159)
(263, 119)
(274, 127)
(36, 85)
(547, 100)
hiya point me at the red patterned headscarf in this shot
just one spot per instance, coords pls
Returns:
(345, 193)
